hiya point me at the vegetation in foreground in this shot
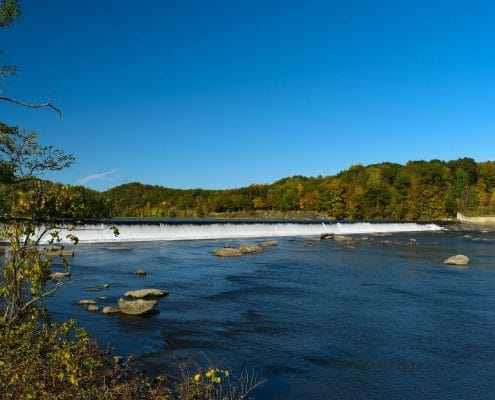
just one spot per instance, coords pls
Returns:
(60, 361)
(41, 361)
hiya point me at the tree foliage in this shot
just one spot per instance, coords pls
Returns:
(418, 190)
(9, 12)
(30, 210)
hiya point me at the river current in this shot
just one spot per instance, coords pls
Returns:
(380, 317)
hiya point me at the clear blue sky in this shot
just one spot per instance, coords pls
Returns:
(219, 94)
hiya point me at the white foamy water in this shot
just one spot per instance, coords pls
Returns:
(154, 232)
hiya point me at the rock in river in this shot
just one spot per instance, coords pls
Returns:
(268, 243)
(110, 310)
(227, 252)
(86, 302)
(457, 260)
(58, 275)
(143, 293)
(135, 307)
(250, 249)
(141, 272)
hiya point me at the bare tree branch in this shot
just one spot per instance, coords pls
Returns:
(57, 286)
(33, 105)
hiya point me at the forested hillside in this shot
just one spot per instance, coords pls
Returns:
(419, 190)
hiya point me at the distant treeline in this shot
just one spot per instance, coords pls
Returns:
(419, 190)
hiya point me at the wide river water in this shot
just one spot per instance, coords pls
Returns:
(380, 318)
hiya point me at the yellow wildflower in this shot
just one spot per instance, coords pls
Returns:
(74, 380)
(197, 377)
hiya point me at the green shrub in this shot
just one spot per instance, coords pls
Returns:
(60, 361)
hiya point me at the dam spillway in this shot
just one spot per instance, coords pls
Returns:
(166, 231)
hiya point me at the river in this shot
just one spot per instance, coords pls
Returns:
(380, 317)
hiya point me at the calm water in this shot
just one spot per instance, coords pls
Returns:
(320, 321)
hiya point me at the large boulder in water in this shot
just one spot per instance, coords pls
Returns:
(135, 307)
(143, 293)
(459, 259)
(250, 249)
(227, 252)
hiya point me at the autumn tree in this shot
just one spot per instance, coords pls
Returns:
(32, 209)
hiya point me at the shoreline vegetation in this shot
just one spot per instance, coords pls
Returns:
(416, 191)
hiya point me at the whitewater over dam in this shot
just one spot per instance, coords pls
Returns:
(141, 231)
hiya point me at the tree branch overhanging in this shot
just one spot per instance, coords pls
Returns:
(33, 105)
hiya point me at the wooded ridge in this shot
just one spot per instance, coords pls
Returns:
(418, 190)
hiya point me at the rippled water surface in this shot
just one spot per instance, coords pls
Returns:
(379, 319)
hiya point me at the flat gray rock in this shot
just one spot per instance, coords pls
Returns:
(58, 275)
(458, 259)
(86, 302)
(250, 249)
(142, 293)
(111, 310)
(227, 252)
(135, 307)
